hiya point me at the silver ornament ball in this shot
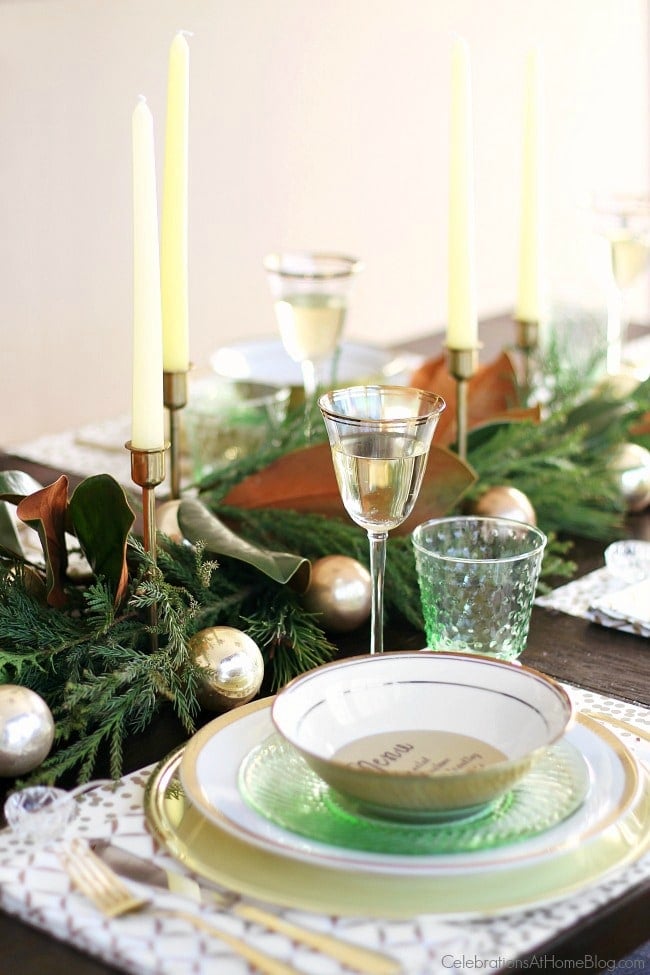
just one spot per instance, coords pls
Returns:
(26, 730)
(340, 593)
(234, 667)
(503, 501)
(631, 464)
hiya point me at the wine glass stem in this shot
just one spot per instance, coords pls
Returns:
(377, 567)
(615, 328)
(310, 386)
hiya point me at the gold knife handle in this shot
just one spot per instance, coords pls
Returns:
(263, 962)
(361, 959)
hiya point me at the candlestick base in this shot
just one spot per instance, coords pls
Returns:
(463, 364)
(527, 342)
(527, 334)
(148, 471)
(175, 398)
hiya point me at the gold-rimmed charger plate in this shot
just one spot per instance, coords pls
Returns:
(213, 775)
(216, 855)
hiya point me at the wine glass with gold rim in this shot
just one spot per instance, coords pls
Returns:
(380, 438)
(310, 294)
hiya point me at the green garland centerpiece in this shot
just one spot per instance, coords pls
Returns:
(74, 621)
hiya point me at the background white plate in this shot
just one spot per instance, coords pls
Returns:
(265, 360)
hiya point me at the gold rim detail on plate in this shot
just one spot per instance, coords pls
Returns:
(260, 831)
(216, 855)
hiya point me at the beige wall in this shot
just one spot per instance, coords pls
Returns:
(313, 124)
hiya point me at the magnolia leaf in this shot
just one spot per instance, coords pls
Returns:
(45, 511)
(304, 481)
(198, 524)
(10, 544)
(446, 479)
(492, 391)
(101, 518)
(14, 486)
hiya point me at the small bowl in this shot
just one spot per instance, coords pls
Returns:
(421, 735)
(39, 812)
(629, 559)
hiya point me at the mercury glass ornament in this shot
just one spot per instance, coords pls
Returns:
(503, 501)
(26, 730)
(167, 520)
(234, 667)
(339, 592)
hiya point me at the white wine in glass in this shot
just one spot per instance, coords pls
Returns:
(380, 438)
(379, 476)
(310, 296)
(310, 325)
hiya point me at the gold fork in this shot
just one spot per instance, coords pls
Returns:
(126, 864)
(105, 889)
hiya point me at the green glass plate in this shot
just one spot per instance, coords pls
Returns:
(277, 783)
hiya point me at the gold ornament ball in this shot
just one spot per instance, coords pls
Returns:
(504, 501)
(631, 464)
(234, 667)
(340, 593)
(26, 730)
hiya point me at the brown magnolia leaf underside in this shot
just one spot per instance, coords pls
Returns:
(45, 511)
(304, 481)
(492, 391)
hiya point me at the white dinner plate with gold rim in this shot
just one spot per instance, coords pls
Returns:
(209, 772)
(219, 857)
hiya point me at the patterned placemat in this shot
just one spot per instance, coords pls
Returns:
(602, 597)
(34, 888)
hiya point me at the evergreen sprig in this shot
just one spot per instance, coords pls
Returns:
(573, 489)
(97, 669)
(290, 639)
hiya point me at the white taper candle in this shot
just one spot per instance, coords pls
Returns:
(147, 430)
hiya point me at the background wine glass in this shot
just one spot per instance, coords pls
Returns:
(310, 293)
(624, 219)
(380, 438)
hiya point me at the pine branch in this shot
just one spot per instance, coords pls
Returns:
(571, 489)
(290, 639)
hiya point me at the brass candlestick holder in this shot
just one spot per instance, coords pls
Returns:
(463, 363)
(527, 342)
(148, 471)
(175, 398)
